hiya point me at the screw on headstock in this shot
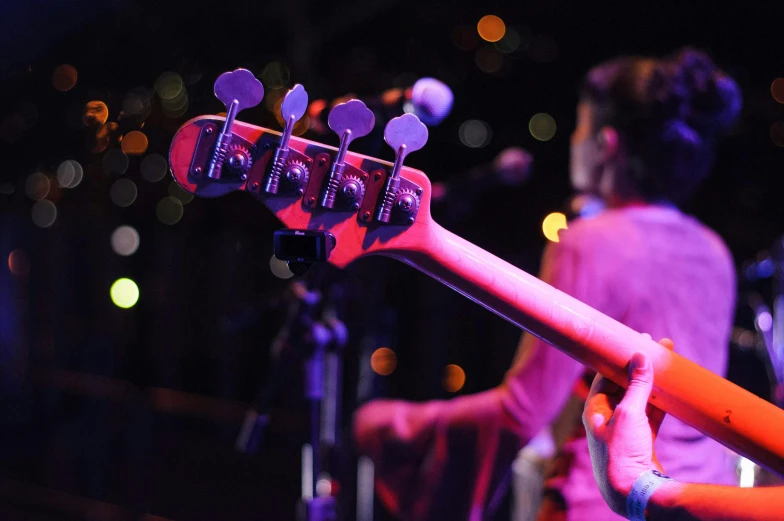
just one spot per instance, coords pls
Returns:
(405, 134)
(294, 104)
(237, 90)
(348, 120)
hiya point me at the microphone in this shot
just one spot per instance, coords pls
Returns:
(429, 99)
(512, 167)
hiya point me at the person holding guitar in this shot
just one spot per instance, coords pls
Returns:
(620, 439)
(646, 135)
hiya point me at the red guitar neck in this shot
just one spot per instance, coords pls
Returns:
(681, 388)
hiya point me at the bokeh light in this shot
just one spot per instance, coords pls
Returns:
(316, 107)
(123, 192)
(169, 210)
(95, 113)
(464, 37)
(134, 143)
(153, 168)
(37, 186)
(273, 99)
(177, 191)
(491, 28)
(542, 126)
(745, 338)
(70, 173)
(169, 85)
(275, 75)
(301, 126)
(64, 77)
(489, 60)
(19, 262)
(454, 378)
(124, 293)
(6, 188)
(125, 240)
(383, 361)
(44, 213)
(552, 224)
(106, 133)
(115, 162)
(280, 268)
(777, 89)
(137, 104)
(324, 485)
(475, 133)
(764, 321)
(177, 106)
(777, 133)
(509, 43)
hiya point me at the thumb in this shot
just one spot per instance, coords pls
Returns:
(640, 382)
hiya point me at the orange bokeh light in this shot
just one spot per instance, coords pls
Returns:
(383, 361)
(777, 89)
(454, 378)
(316, 107)
(95, 113)
(19, 262)
(491, 28)
(64, 77)
(134, 143)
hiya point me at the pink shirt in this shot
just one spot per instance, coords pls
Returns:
(659, 272)
(652, 268)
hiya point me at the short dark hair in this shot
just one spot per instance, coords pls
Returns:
(669, 113)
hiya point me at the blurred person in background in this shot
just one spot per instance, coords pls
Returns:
(646, 135)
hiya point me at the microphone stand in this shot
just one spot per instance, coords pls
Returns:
(769, 321)
(323, 388)
(313, 333)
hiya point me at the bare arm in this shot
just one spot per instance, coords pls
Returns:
(674, 501)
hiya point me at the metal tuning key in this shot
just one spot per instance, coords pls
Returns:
(405, 134)
(291, 109)
(237, 90)
(349, 120)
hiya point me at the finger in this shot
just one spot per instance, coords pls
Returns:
(595, 419)
(668, 343)
(640, 383)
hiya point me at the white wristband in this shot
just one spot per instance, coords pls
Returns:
(641, 492)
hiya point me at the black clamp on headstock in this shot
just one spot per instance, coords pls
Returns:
(301, 249)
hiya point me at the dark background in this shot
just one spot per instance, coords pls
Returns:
(120, 414)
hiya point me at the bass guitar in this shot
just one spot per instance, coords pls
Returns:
(338, 206)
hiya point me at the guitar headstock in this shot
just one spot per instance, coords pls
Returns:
(368, 205)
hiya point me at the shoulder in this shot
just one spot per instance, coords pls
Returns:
(585, 233)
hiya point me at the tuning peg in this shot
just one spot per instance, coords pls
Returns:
(405, 134)
(350, 121)
(294, 104)
(238, 90)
